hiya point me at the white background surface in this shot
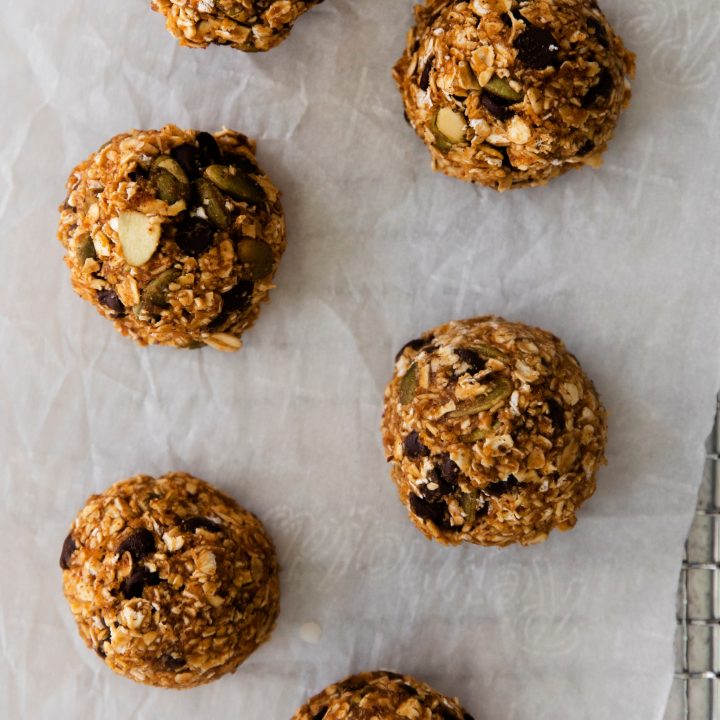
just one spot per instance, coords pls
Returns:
(623, 263)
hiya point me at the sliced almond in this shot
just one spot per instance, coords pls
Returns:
(451, 125)
(139, 236)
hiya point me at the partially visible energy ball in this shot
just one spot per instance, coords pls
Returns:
(381, 696)
(494, 432)
(170, 581)
(174, 235)
(512, 93)
(250, 25)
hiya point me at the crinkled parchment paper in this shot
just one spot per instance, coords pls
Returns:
(622, 263)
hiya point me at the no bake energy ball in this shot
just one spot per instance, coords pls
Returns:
(250, 25)
(494, 433)
(381, 696)
(510, 93)
(175, 235)
(170, 581)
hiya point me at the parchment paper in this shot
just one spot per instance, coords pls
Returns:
(622, 263)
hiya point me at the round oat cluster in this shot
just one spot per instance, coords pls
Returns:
(494, 433)
(249, 25)
(511, 93)
(170, 581)
(175, 235)
(381, 696)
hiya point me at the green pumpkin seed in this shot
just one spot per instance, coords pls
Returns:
(408, 385)
(213, 202)
(167, 187)
(235, 183)
(257, 256)
(489, 351)
(86, 250)
(156, 291)
(473, 437)
(502, 89)
(501, 389)
(469, 506)
(165, 162)
(195, 345)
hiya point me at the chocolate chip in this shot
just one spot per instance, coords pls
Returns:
(443, 488)
(137, 580)
(413, 447)
(68, 549)
(587, 147)
(495, 106)
(354, 683)
(432, 511)
(194, 236)
(446, 713)
(601, 89)
(194, 523)
(471, 358)
(506, 19)
(502, 486)
(417, 344)
(188, 157)
(409, 689)
(425, 75)
(537, 48)
(208, 149)
(320, 714)
(600, 32)
(448, 470)
(556, 414)
(393, 675)
(241, 162)
(99, 650)
(139, 543)
(110, 299)
(172, 663)
(238, 298)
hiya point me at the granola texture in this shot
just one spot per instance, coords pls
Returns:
(512, 93)
(174, 235)
(171, 582)
(381, 696)
(494, 433)
(249, 25)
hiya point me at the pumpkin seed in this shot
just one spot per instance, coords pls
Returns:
(473, 437)
(156, 291)
(86, 250)
(490, 351)
(170, 180)
(501, 88)
(469, 506)
(408, 385)
(213, 202)
(499, 391)
(450, 125)
(235, 183)
(257, 256)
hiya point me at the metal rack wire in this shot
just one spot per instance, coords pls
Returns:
(695, 693)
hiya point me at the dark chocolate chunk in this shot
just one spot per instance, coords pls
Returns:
(502, 486)
(445, 713)
(194, 236)
(188, 157)
(417, 344)
(99, 650)
(443, 488)
(587, 147)
(448, 470)
(432, 511)
(68, 549)
(601, 89)
(425, 75)
(413, 447)
(471, 358)
(506, 19)
(208, 149)
(537, 48)
(409, 689)
(320, 714)
(241, 162)
(238, 298)
(556, 414)
(600, 32)
(137, 580)
(139, 543)
(193, 523)
(110, 299)
(172, 663)
(495, 106)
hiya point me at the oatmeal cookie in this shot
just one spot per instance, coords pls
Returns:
(170, 581)
(175, 235)
(249, 25)
(494, 433)
(381, 696)
(511, 93)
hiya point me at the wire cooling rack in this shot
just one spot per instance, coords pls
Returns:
(695, 693)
